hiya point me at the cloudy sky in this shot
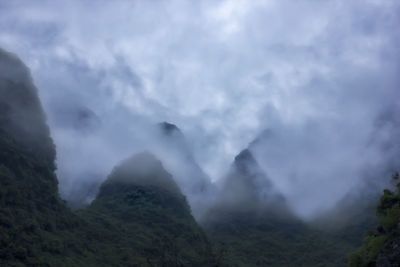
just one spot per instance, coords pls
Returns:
(322, 76)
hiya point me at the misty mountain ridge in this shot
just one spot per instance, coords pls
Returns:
(171, 147)
(139, 218)
(176, 154)
(246, 167)
(34, 221)
(143, 212)
(246, 187)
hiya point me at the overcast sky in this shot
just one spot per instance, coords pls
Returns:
(323, 76)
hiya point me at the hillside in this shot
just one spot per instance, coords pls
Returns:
(140, 218)
(36, 226)
(252, 225)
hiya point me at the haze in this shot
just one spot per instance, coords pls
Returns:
(315, 83)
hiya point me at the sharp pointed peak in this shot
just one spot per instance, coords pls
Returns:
(245, 154)
(168, 128)
(245, 162)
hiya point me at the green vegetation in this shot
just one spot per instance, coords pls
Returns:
(137, 222)
(382, 246)
(36, 227)
(140, 220)
(144, 220)
(129, 224)
(247, 231)
(248, 239)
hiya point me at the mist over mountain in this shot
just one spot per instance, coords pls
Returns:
(169, 144)
(175, 152)
(32, 215)
(322, 77)
(139, 216)
(79, 187)
(252, 224)
(247, 188)
(211, 133)
(326, 87)
(309, 154)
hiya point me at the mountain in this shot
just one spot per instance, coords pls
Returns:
(21, 114)
(252, 225)
(139, 218)
(250, 221)
(37, 229)
(174, 150)
(144, 220)
(247, 186)
(246, 189)
(352, 215)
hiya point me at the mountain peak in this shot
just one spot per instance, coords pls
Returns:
(142, 169)
(169, 128)
(245, 162)
(245, 155)
(247, 187)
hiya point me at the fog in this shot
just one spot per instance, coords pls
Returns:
(311, 87)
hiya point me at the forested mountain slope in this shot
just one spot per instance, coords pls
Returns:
(252, 225)
(140, 218)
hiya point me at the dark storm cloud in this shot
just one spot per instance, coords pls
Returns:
(321, 76)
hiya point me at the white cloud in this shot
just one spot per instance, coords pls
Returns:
(221, 70)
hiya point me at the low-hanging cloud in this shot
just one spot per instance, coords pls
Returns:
(321, 76)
